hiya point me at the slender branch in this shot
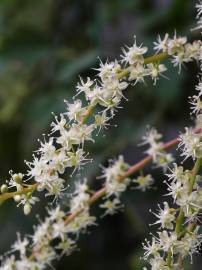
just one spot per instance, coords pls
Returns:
(100, 193)
(133, 169)
(122, 74)
(25, 190)
(151, 59)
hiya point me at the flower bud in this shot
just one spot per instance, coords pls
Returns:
(4, 188)
(27, 209)
(17, 198)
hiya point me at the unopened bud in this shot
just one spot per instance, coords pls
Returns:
(27, 209)
(17, 198)
(4, 188)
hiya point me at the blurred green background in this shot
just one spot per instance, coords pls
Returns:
(44, 46)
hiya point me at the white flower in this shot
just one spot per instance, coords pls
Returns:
(81, 187)
(84, 86)
(80, 199)
(112, 173)
(153, 138)
(189, 244)
(20, 246)
(177, 173)
(108, 70)
(54, 188)
(75, 111)
(190, 144)
(193, 51)
(77, 159)
(113, 88)
(165, 217)
(111, 206)
(59, 125)
(133, 55)
(189, 202)
(176, 45)
(163, 160)
(59, 161)
(56, 214)
(28, 199)
(46, 255)
(66, 246)
(47, 149)
(155, 70)
(101, 120)
(158, 263)
(196, 105)
(161, 44)
(167, 240)
(36, 167)
(144, 182)
(137, 73)
(160, 157)
(16, 181)
(81, 222)
(59, 229)
(178, 60)
(152, 248)
(76, 135)
(42, 233)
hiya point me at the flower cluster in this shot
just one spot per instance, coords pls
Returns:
(179, 235)
(64, 147)
(177, 239)
(178, 48)
(190, 143)
(64, 227)
(160, 157)
(37, 251)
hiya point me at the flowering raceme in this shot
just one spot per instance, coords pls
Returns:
(64, 148)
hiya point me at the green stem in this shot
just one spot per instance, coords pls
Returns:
(25, 190)
(179, 223)
(148, 60)
(169, 258)
(194, 172)
(156, 58)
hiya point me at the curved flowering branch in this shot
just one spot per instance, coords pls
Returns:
(65, 226)
(132, 170)
(74, 127)
(136, 167)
